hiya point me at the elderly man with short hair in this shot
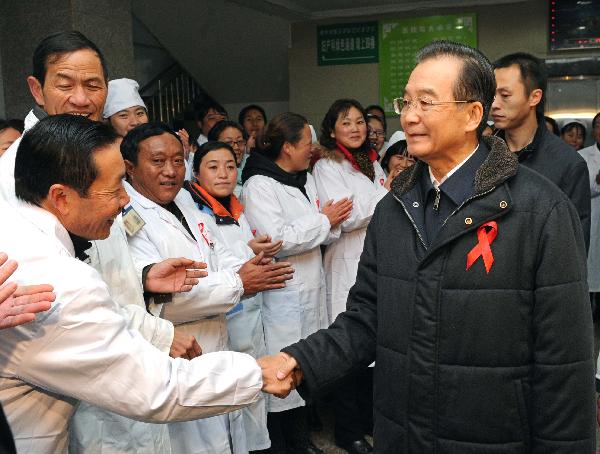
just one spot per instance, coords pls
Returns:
(471, 291)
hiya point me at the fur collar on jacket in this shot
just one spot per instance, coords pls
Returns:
(500, 165)
(328, 153)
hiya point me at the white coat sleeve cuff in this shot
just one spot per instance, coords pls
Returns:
(163, 335)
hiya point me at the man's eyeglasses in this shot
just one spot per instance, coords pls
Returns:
(403, 105)
(236, 143)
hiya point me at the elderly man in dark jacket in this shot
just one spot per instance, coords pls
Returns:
(471, 291)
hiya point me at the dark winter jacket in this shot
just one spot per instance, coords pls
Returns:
(556, 160)
(466, 361)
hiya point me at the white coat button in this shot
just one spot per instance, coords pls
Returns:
(416, 204)
(468, 221)
(503, 204)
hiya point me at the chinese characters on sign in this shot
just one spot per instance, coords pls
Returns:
(347, 44)
(399, 41)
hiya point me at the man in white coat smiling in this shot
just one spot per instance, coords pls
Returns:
(168, 224)
(69, 75)
(68, 179)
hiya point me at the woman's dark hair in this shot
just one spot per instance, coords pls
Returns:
(206, 148)
(285, 127)
(13, 123)
(218, 128)
(59, 150)
(53, 47)
(130, 147)
(399, 147)
(573, 125)
(248, 108)
(554, 125)
(339, 107)
(382, 117)
(376, 118)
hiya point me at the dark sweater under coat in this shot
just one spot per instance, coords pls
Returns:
(469, 362)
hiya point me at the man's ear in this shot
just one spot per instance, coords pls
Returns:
(35, 87)
(475, 115)
(535, 97)
(129, 167)
(60, 199)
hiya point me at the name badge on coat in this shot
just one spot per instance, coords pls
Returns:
(132, 221)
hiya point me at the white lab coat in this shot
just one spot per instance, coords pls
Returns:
(592, 158)
(200, 312)
(298, 310)
(95, 430)
(335, 180)
(245, 330)
(82, 349)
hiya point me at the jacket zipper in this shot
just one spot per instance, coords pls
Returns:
(412, 221)
(436, 202)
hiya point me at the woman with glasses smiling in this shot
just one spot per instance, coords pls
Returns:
(376, 133)
(232, 134)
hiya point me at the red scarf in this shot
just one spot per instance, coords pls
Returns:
(373, 156)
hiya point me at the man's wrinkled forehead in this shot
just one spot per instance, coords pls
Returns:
(81, 61)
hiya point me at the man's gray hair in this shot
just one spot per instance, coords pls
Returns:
(476, 80)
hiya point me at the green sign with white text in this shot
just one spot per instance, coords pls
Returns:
(399, 41)
(347, 44)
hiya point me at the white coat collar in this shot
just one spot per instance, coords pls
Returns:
(30, 121)
(164, 214)
(47, 223)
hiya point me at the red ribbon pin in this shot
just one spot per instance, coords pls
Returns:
(486, 234)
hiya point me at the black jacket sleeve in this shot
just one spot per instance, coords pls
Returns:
(330, 354)
(577, 187)
(562, 379)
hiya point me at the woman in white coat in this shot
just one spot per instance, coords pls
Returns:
(348, 168)
(215, 171)
(281, 201)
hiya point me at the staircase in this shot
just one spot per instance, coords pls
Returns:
(166, 87)
(170, 95)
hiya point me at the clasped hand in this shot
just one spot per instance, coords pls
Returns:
(281, 374)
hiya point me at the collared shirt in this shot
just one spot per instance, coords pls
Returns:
(436, 184)
(456, 187)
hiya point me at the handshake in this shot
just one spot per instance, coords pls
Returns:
(281, 374)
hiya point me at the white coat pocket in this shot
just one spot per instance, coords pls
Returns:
(282, 318)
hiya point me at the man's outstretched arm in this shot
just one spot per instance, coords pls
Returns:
(330, 354)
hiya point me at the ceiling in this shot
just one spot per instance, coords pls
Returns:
(303, 10)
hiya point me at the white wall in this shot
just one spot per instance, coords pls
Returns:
(502, 29)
